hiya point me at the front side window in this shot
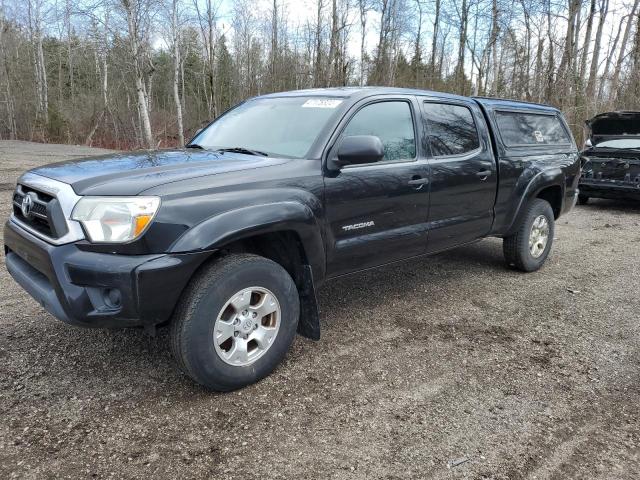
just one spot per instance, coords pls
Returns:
(531, 129)
(392, 122)
(277, 126)
(451, 129)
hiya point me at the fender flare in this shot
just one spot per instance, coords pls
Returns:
(553, 177)
(232, 225)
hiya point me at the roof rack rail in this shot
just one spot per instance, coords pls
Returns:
(484, 97)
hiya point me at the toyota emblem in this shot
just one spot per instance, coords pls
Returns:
(27, 205)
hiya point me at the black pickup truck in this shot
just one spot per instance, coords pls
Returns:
(227, 239)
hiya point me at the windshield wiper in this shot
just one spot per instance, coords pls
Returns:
(246, 151)
(194, 145)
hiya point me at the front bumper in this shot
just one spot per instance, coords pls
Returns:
(98, 289)
(611, 189)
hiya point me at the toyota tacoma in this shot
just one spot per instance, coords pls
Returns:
(227, 239)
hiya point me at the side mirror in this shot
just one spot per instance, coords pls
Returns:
(357, 150)
(588, 143)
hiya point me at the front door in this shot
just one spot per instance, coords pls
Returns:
(377, 212)
(463, 173)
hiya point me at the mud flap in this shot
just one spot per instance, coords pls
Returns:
(309, 323)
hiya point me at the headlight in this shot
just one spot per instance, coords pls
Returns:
(115, 219)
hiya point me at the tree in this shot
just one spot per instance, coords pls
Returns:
(137, 21)
(207, 21)
(623, 46)
(225, 75)
(6, 81)
(462, 45)
(175, 48)
(363, 10)
(142, 73)
(35, 19)
(595, 59)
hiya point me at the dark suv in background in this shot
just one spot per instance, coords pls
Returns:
(228, 239)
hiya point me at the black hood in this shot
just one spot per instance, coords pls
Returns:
(134, 172)
(614, 125)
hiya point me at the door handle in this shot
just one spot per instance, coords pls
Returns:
(418, 182)
(483, 174)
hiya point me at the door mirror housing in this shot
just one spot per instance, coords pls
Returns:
(357, 150)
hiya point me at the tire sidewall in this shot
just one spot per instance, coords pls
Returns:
(540, 207)
(202, 358)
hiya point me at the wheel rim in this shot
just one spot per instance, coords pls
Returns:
(539, 236)
(247, 326)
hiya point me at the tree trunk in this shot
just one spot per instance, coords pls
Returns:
(587, 40)
(141, 91)
(417, 49)
(565, 70)
(493, 43)
(526, 66)
(105, 64)
(538, 71)
(175, 29)
(72, 88)
(207, 29)
(34, 13)
(462, 47)
(4, 73)
(362, 7)
(333, 46)
(434, 40)
(593, 69)
(623, 46)
(607, 65)
(550, 77)
(635, 62)
(317, 62)
(273, 67)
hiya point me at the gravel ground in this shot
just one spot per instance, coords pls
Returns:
(446, 367)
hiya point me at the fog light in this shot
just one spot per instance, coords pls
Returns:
(112, 297)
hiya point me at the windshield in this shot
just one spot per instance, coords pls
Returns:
(285, 127)
(620, 143)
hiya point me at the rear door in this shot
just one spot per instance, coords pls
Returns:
(377, 212)
(463, 173)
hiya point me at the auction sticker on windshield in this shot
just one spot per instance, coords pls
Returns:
(321, 103)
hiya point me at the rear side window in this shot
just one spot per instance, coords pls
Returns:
(451, 129)
(531, 129)
(392, 122)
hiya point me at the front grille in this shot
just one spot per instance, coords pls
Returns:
(43, 213)
(616, 170)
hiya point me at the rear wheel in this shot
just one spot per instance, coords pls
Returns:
(235, 322)
(582, 199)
(528, 248)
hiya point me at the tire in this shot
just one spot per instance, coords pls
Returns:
(201, 355)
(517, 252)
(582, 199)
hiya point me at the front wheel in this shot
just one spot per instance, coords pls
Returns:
(528, 248)
(235, 322)
(583, 199)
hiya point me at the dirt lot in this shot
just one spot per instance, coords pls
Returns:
(447, 367)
